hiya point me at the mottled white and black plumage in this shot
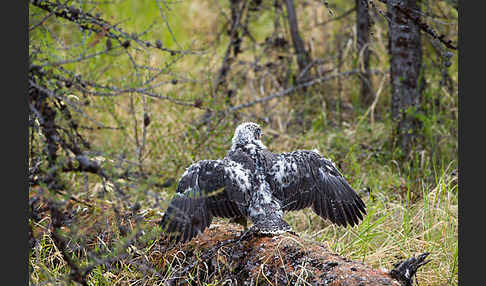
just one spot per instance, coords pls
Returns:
(254, 183)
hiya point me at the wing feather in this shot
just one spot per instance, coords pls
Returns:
(319, 207)
(208, 188)
(327, 209)
(187, 231)
(352, 214)
(215, 211)
(304, 178)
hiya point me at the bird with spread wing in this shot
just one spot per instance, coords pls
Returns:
(252, 182)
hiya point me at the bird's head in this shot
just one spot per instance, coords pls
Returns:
(247, 133)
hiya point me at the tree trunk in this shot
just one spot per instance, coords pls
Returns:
(363, 26)
(299, 46)
(299, 121)
(405, 72)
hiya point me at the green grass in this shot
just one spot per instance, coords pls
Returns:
(413, 206)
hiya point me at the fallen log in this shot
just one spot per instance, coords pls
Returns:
(221, 255)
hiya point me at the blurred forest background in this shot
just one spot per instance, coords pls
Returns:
(124, 95)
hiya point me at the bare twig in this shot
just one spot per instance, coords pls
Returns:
(337, 18)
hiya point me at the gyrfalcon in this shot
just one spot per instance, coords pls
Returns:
(252, 182)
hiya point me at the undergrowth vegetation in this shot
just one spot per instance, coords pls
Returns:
(412, 200)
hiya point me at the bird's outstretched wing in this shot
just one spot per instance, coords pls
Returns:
(302, 179)
(208, 188)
